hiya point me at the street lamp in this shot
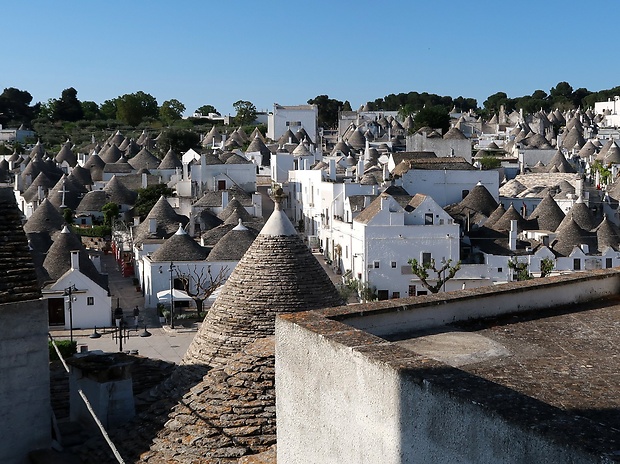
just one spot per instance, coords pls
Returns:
(171, 296)
(68, 293)
(170, 269)
(120, 333)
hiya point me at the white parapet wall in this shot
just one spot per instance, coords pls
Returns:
(346, 395)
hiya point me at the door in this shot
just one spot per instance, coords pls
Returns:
(221, 185)
(56, 311)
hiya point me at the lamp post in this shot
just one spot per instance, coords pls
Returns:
(120, 333)
(171, 297)
(68, 292)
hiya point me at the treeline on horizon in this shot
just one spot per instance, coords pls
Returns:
(67, 116)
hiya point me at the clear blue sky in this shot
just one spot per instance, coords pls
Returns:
(216, 52)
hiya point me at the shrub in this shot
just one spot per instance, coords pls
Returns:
(67, 349)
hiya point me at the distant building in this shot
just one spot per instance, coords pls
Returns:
(15, 135)
(292, 118)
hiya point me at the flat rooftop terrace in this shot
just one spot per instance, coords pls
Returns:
(566, 357)
(542, 354)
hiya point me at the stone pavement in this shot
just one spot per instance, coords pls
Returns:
(164, 343)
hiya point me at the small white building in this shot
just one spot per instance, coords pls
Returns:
(294, 118)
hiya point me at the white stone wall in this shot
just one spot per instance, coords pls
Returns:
(441, 147)
(347, 396)
(25, 408)
(306, 114)
(447, 186)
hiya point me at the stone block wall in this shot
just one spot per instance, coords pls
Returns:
(25, 408)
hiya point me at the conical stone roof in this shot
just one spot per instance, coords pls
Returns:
(277, 274)
(19, 281)
(570, 235)
(111, 155)
(607, 235)
(120, 194)
(495, 216)
(582, 215)
(234, 206)
(166, 218)
(257, 145)
(144, 160)
(503, 223)
(560, 162)
(479, 199)
(40, 181)
(179, 247)
(82, 175)
(288, 137)
(58, 259)
(170, 161)
(65, 154)
(45, 218)
(233, 245)
(93, 201)
(548, 215)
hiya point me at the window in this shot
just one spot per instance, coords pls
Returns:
(576, 264)
(428, 219)
(90, 300)
(393, 263)
(609, 263)
(422, 292)
(395, 294)
(376, 264)
(426, 258)
(411, 290)
(382, 294)
(499, 269)
(221, 185)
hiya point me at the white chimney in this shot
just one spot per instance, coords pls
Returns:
(385, 203)
(585, 248)
(40, 194)
(145, 182)
(332, 170)
(359, 172)
(512, 235)
(75, 260)
(152, 226)
(224, 198)
(136, 221)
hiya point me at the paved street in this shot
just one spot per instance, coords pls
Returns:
(164, 343)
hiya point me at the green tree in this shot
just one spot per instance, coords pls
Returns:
(205, 110)
(406, 110)
(68, 107)
(171, 110)
(180, 140)
(442, 274)
(436, 117)
(493, 103)
(110, 212)
(133, 108)
(520, 271)
(147, 197)
(346, 106)
(489, 161)
(546, 266)
(328, 109)
(246, 112)
(15, 107)
(108, 109)
(90, 109)
(67, 214)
